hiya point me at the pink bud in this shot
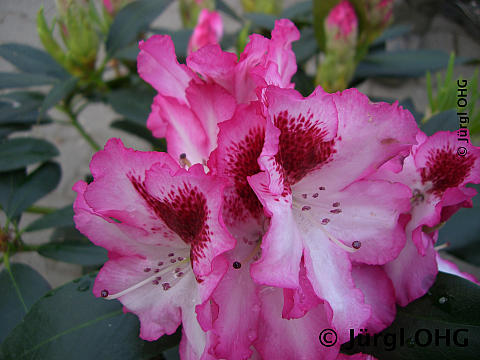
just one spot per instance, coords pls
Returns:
(108, 6)
(342, 20)
(209, 30)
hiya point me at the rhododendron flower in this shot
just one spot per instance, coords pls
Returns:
(317, 152)
(248, 317)
(449, 267)
(163, 228)
(192, 99)
(436, 175)
(209, 30)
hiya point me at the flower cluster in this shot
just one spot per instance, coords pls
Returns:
(272, 216)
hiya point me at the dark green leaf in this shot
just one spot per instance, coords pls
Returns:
(133, 103)
(131, 20)
(68, 245)
(450, 305)
(306, 47)
(444, 121)
(21, 108)
(180, 39)
(303, 82)
(298, 9)
(58, 93)
(410, 106)
(261, 20)
(392, 33)
(6, 130)
(31, 60)
(402, 63)
(224, 7)
(18, 192)
(70, 323)
(140, 131)
(60, 217)
(20, 288)
(321, 9)
(128, 53)
(19, 152)
(21, 80)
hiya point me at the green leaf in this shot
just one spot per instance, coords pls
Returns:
(450, 305)
(133, 103)
(21, 80)
(321, 9)
(57, 94)
(225, 8)
(18, 192)
(60, 217)
(261, 20)
(444, 121)
(20, 287)
(402, 63)
(68, 245)
(303, 82)
(6, 130)
(179, 37)
(19, 152)
(31, 60)
(297, 10)
(306, 47)
(392, 33)
(131, 20)
(70, 323)
(141, 131)
(21, 108)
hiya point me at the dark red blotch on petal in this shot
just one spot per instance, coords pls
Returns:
(184, 210)
(301, 145)
(446, 169)
(242, 162)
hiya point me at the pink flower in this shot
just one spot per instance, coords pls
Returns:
(188, 106)
(342, 21)
(437, 176)
(209, 30)
(316, 155)
(163, 228)
(449, 267)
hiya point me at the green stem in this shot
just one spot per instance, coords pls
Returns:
(73, 118)
(40, 210)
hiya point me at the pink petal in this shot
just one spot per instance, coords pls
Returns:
(411, 273)
(379, 294)
(291, 339)
(449, 267)
(158, 65)
(281, 246)
(329, 271)
(209, 30)
(240, 143)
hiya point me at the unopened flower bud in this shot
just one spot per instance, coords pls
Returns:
(209, 30)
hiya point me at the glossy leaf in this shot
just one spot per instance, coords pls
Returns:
(19, 152)
(58, 218)
(57, 94)
(141, 131)
(444, 121)
(70, 323)
(18, 192)
(225, 8)
(21, 287)
(22, 80)
(451, 305)
(131, 20)
(21, 108)
(133, 103)
(261, 20)
(298, 9)
(402, 63)
(68, 245)
(31, 60)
